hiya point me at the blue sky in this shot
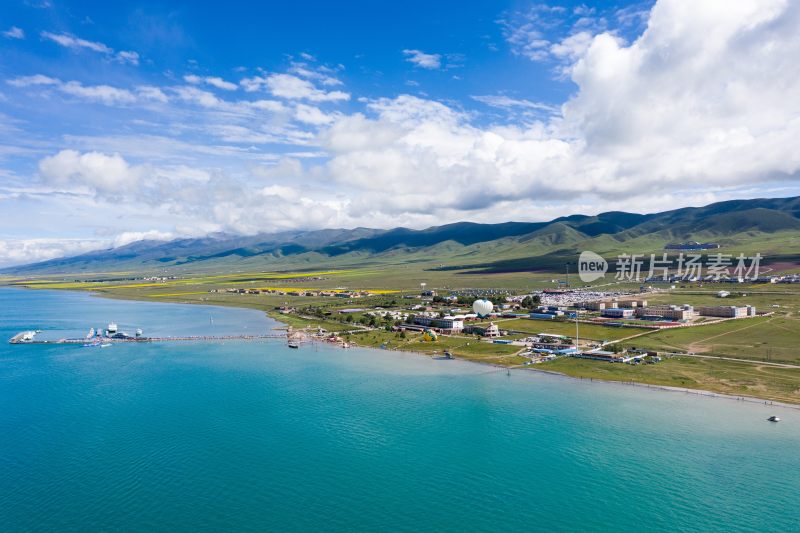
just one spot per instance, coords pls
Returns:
(365, 38)
(158, 120)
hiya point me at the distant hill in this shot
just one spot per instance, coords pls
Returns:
(770, 226)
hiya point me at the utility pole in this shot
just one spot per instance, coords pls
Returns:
(567, 280)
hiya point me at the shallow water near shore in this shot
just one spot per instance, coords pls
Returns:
(250, 435)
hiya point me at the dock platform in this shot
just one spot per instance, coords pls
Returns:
(25, 338)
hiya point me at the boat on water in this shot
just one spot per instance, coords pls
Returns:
(105, 345)
(293, 344)
(24, 336)
(112, 328)
(90, 334)
(774, 418)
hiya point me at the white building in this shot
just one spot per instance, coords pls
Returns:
(616, 312)
(728, 311)
(448, 322)
(670, 312)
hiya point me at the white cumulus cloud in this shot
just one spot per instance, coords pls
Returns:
(14, 33)
(423, 60)
(76, 43)
(102, 93)
(128, 56)
(705, 97)
(312, 115)
(128, 237)
(36, 79)
(70, 41)
(108, 175)
(24, 251)
(292, 88)
(214, 81)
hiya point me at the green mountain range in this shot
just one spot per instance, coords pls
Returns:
(768, 226)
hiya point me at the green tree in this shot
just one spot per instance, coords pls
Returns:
(529, 302)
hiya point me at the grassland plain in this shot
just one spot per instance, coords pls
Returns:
(593, 332)
(774, 338)
(473, 349)
(733, 378)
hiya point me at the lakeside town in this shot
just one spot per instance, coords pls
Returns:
(539, 326)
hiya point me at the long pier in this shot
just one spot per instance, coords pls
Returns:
(20, 338)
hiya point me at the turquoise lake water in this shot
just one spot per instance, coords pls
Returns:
(245, 436)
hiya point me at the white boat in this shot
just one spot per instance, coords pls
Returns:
(774, 418)
(25, 336)
(90, 334)
(112, 328)
(105, 345)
